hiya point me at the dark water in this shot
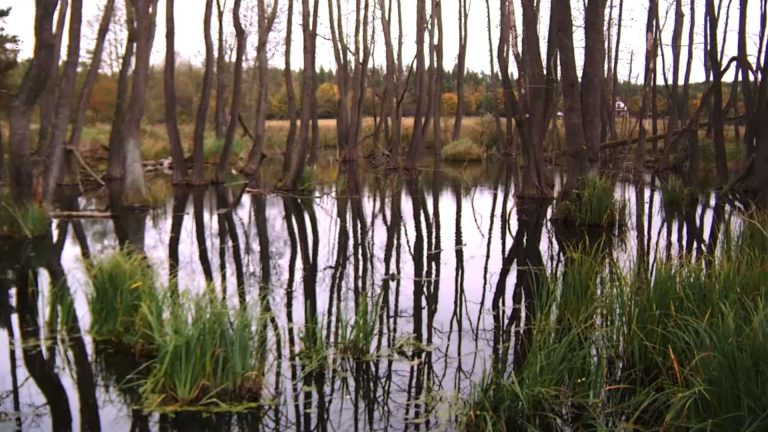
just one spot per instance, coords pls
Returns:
(444, 264)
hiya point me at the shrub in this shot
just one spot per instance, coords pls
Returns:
(463, 150)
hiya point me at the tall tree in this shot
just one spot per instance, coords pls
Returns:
(47, 112)
(8, 61)
(460, 67)
(392, 112)
(78, 122)
(494, 78)
(417, 136)
(30, 89)
(582, 99)
(134, 187)
(650, 65)
(352, 54)
(53, 157)
(169, 86)
(290, 92)
(205, 99)
(220, 117)
(308, 93)
(718, 115)
(265, 23)
(237, 90)
(116, 159)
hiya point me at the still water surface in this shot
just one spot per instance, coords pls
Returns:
(444, 265)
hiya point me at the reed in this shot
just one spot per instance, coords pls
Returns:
(683, 348)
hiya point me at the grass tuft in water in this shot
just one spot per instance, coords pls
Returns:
(593, 205)
(26, 221)
(673, 197)
(206, 357)
(124, 300)
(683, 348)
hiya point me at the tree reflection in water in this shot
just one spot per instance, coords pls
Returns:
(364, 317)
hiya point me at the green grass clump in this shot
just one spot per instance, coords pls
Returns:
(592, 205)
(26, 221)
(682, 348)
(124, 300)
(463, 150)
(205, 358)
(673, 196)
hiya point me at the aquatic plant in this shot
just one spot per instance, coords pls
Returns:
(123, 300)
(592, 205)
(206, 357)
(26, 221)
(463, 150)
(673, 196)
(683, 348)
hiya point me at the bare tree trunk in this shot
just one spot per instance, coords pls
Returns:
(746, 81)
(237, 94)
(308, 86)
(53, 158)
(205, 99)
(290, 92)
(48, 98)
(417, 136)
(494, 77)
(718, 117)
(31, 87)
(220, 117)
(460, 66)
(617, 50)
(171, 122)
(134, 187)
(70, 162)
(608, 127)
(389, 100)
(259, 130)
(116, 161)
(437, 81)
(650, 63)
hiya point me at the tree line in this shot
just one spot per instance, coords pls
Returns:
(538, 73)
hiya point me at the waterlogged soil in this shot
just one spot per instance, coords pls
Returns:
(439, 263)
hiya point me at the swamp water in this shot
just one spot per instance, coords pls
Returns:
(413, 289)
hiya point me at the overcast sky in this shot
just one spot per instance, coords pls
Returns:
(190, 44)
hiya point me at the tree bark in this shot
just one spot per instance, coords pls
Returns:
(417, 135)
(494, 76)
(169, 87)
(205, 98)
(266, 22)
(220, 117)
(718, 116)
(134, 187)
(48, 98)
(237, 97)
(70, 162)
(290, 92)
(308, 94)
(32, 86)
(116, 161)
(52, 160)
(650, 64)
(460, 67)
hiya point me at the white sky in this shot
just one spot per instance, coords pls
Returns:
(190, 45)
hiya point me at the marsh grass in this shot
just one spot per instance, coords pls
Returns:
(123, 301)
(684, 348)
(674, 196)
(206, 357)
(593, 205)
(26, 221)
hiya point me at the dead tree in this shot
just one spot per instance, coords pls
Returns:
(265, 23)
(392, 113)
(417, 135)
(47, 110)
(32, 86)
(169, 88)
(201, 118)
